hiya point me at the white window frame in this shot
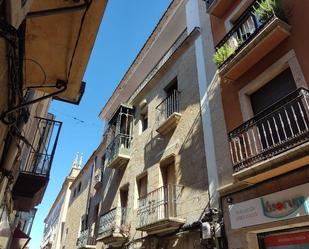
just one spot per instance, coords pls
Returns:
(289, 60)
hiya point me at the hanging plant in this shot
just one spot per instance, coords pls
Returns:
(221, 55)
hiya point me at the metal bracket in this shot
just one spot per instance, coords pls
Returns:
(60, 84)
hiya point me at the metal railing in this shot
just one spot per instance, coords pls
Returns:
(85, 239)
(112, 221)
(121, 142)
(40, 152)
(26, 220)
(278, 128)
(158, 205)
(243, 31)
(167, 107)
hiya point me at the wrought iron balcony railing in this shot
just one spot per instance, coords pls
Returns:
(167, 107)
(120, 145)
(85, 239)
(244, 30)
(278, 128)
(26, 220)
(112, 221)
(40, 152)
(160, 204)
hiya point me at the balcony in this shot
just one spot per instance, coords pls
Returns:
(21, 235)
(112, 227)
(85, 241)
(252, 38)
(157, 212)
(274, 141)
(218, 7)
(37, 158)
(167, 113)
(118, 152)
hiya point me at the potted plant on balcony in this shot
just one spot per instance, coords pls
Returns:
(222, 53)
(267, 8)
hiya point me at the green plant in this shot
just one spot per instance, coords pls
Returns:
(265, 8)
(222, 54)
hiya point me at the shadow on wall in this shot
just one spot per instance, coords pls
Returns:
(112, 185)
(155, 148)
(192, 170)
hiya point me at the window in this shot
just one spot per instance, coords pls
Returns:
(276, 126)
(143, 115)
(171, 87)
(74, 193)
(124, 194)
(79, 187)
(96, 164)
(83, 223)
(168, 174)
(142, 186)
(103, 162)
(171, 103)
(144, 121)
(277, 88)
(96, 218)
(23, 2)
(66, 234)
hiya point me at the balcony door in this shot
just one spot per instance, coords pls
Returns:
(144, 201)
(124, 195)
(278, 118)
(273, 91)
(168, 208)
(171, 103)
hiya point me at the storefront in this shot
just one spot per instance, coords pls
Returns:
(279, 220)
(285, 240)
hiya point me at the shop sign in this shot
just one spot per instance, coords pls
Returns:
(288, 240)
(286, 204)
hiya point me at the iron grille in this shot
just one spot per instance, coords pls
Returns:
(40, 152)
(244, 30)
(278, 128)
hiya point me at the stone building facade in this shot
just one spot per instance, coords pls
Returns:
(55, 220)
(146, 186)
(76, 217)
(154, 186)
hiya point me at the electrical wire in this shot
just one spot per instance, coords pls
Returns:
(74, 118)
(78, 37)
(41, 68)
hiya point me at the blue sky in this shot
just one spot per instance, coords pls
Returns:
(125, 27)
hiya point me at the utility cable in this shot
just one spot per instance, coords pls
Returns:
(78, 37)
(41, 68)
